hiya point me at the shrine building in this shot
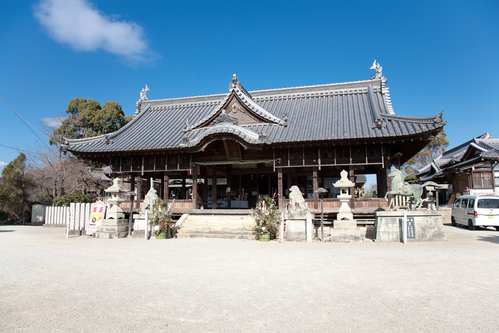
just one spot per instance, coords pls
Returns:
(226, 151)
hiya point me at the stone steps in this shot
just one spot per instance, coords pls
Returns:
(217, 234)
(217, 226)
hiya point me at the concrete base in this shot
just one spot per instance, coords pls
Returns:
(112, 228)
(139, 225)
(347, 235)
(346, 231)
(299, 226)
(427, 226)
(138, 234)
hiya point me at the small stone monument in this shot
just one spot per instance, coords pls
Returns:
(114, 225)
(140, 224)
(299, 226)
(344, 227)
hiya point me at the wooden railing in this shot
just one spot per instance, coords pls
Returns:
(182, 206)
(361, 205)
(179, 206)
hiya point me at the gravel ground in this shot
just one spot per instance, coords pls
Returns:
(49, 283)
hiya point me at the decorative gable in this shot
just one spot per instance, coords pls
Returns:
(244, 115)
(239, 105)
(224, 118)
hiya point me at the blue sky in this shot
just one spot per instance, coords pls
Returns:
(436, 55)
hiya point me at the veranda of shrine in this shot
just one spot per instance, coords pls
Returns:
(225, 152)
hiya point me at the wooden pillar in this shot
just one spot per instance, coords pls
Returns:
(315, 187)
(139, 191)
(384, 182)
(194, 185)
(166, 186)
(183, 191)
(351, 176)
(240, 191)
(214, 187)
(279, 187)
(132, 188)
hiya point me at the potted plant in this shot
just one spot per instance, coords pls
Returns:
(267, 218)
(161, 218)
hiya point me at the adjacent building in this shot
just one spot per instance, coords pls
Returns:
(470, 168)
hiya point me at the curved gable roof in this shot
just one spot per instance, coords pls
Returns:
(342, 111)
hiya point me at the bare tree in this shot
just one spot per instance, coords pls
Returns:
(57, 174)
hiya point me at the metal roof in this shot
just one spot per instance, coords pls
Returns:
(330, 112)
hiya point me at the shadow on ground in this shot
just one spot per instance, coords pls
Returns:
(490, 239)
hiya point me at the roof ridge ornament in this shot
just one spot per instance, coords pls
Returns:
(439, 119)
(143, 97)
(379, 70)
(186, 127)
(285, 119)
(235, 83)
(379, 123)
(143, 93)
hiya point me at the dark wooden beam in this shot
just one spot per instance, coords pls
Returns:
(279, 187)
(232, 150)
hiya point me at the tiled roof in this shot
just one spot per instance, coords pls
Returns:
(476, 150)
(329, 112)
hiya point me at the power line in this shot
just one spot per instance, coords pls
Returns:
(14, 148)
(27, 123)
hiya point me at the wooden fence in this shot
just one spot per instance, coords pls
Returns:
(76, 215)
(361, 205)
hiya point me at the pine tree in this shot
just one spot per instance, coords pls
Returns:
(429, 153)
(14, 189)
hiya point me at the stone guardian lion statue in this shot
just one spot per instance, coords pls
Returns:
(296, 197)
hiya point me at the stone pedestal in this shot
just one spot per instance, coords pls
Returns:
(112, 228)
(299, 226)
(345, 228)
(139, 225)
(427, 226)
(346, 231)
(139, 220)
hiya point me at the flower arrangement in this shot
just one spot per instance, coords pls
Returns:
(161, 216)
(267, 217)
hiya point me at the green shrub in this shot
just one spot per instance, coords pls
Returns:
(65, 200)
(411, 179)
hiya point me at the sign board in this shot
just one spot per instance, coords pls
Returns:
(411, 229)
(97, 213)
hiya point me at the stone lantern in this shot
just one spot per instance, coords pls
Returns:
(345, 227)
(344, 184)
(115, 212)
(114, 225)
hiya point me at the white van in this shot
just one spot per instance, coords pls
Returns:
(476, 210)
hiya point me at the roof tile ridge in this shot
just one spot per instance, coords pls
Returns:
(477, 145)
(485, 142)
(249, 102)
(84, 140)
(388, 99)
(208, 116)
(187, 99)
(312, 88)
(410, 118)
(458, 148)
(246, 134)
